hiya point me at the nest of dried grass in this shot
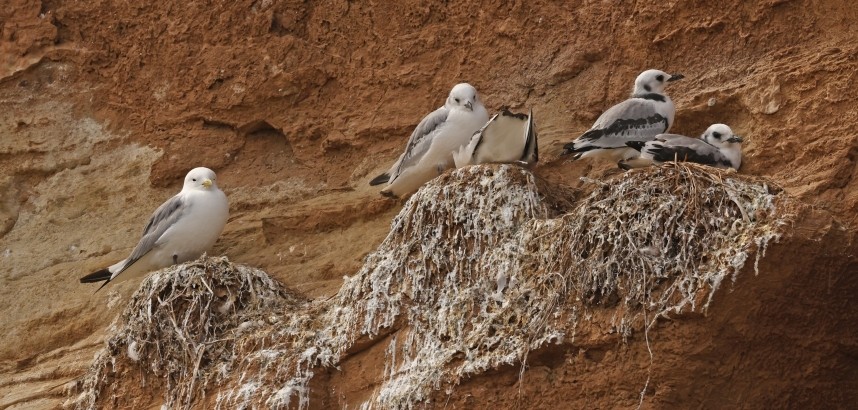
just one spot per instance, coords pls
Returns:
(474, 274)
(479, 276)
(179, 329)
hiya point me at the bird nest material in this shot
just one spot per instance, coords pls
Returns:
(180, 329)
(474, 275)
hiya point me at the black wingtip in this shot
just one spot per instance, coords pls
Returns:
(388, 194)
(569, 149)
(532, 126)
(575, 154)
(530, 155)
(637, 145)
(102, 286)
(624, 166)
(380, 179)
(97, 276)
(102, 275)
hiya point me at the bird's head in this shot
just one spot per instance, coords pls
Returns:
(200, 178)
(654, 81)
(464, 96)
(721, 136)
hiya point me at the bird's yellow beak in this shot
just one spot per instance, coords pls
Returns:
(207, 183)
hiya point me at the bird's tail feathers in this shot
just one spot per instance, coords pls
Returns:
(570, 148)
(380, 179)
(97, 276)
(578, 147)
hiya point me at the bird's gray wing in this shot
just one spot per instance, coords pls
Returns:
(672, 147)
(635, 119)
(164, 217)
(674, 137)
(421, 139)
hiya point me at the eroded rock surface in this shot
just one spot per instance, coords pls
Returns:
(106, 105)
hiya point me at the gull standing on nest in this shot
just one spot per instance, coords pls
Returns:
(180, 230)
(647, 113)
(430, 149)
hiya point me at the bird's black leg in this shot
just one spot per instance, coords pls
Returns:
(175, 259)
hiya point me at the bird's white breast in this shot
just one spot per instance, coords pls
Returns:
(666, 109)
(734, 155)
(456, 132)
(197, 230)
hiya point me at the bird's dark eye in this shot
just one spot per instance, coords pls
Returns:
(194, 179)
(457, 100)
(659, 77)
(717, 135)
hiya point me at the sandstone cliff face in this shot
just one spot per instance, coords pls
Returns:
(106, 105)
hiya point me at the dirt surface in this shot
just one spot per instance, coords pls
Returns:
(296, 105)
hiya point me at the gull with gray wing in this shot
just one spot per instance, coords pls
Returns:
(647, 113)
(180, 230)
(430, 148)
(718, 147)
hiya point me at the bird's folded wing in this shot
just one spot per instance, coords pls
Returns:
(673, 137)
(633, 119)
(530, 154)
(677, 147)
(421, 139)
(164, 217)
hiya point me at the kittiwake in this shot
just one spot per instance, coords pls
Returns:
(431, 146)
(717, 147)
(507, 137)
(180, 230)
(647, 113)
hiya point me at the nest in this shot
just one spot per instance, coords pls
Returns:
(474, 274)
(180, 329)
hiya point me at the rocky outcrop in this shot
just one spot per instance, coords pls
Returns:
(106, 105)
(474, 276)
